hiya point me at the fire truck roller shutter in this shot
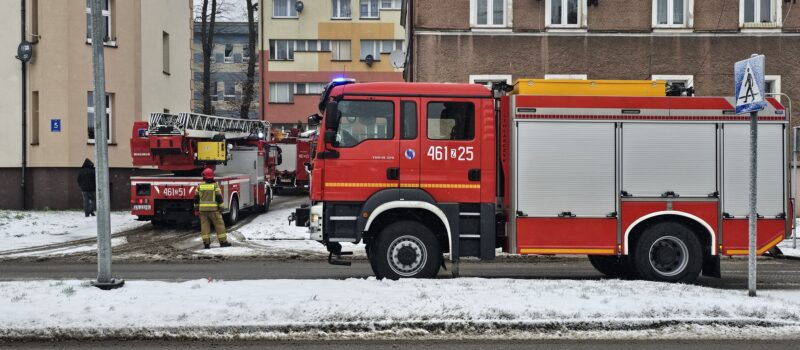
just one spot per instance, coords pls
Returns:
(736, 178)
(660, 157)
(289, 152)
(566, 167)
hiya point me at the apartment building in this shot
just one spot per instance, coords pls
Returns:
(148, 60)
(686, 42)
(229, 59)
(11, 102)
(306, 44)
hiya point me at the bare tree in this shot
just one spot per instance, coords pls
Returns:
(247, 99)
(208, 19)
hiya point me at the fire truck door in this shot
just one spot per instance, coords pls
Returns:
(410, 153)
(368, 151)
(450, 142)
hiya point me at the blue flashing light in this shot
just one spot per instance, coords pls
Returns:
(342, 81)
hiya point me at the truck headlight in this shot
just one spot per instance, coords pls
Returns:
(314, 218)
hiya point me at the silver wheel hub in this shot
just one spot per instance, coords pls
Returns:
(407, 255)
(669, 256)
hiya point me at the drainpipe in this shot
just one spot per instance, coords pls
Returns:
(24, 164)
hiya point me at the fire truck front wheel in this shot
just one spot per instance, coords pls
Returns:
(406, 249)
(668, 252)
(233, 213)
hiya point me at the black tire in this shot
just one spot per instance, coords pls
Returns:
(609, 265)
(406, 249)
(157, 223)
(233, 212)
(369, 249)
(265, 207)
(668, 252)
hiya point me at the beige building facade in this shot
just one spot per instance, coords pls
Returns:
(304, 47)
(11, 102)
(148, 69)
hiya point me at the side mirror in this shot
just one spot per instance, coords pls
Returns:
(313, 120)
(332, 116)
(330, 136)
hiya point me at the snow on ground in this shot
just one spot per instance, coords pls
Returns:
(58, 251)
(369, 307)
(25, 229)
(787, 250)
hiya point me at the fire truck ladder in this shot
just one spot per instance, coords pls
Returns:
(205, 126)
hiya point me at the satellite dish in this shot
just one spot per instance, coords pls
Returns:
(298, 6)
(369, 60)
(398, 58)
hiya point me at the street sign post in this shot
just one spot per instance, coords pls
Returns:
(749, 95)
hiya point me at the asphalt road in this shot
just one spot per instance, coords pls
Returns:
(406, 344)
(772, 273)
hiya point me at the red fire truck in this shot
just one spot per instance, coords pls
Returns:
(184, 144)
(647, 185)
(294, 150)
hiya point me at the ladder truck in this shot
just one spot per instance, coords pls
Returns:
(648, 185)
(294, 150)
(186, 143)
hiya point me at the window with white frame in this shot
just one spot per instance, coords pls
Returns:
(489, 79)
(672, 13)
(565, 13)
(340, 50)
(488, 13)
(230, 89)
(284, 8)
(755, 12)
(281, 50)
(368, 9)
(566, 76)
(388, 46)
(308, 88)
(106, 23)
(391, 4)
(370, 47)
(341, 9)
(90, 116)
(675, 81)
(281, 92)
(772, 85)
(228, 53)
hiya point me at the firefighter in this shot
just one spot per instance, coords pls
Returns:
(208, 205)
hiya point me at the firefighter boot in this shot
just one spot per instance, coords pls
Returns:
(224, 244)
(206, 245)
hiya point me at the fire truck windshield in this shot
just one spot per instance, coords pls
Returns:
(364, 120)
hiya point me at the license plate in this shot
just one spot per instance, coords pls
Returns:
(138, 207)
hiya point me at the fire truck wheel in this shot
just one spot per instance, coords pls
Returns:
(233, 215)
(668, 252)
(406, 249)
(609, 265)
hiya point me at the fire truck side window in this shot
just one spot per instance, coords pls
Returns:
(408, 120)
(364, 120)
(451, 121)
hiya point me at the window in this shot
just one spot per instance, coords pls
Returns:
(230, 89)
(228, 53)
(676, 81)
(408, 120)
(340, 50)
(165, 52)
(281, 92)
(755, 12)
(566, 76)
(281, 50)
(565, 13)
(489, 79)
(451, 121)
(341, 9)
(215, 90)
(391, 4)
(388, 46)
(284, 8)
(246, 53)
(488, 13)
(308, 88)
(364, 120)
(772, 85)
(90, 116)
(34, 117)
(370, 47)
(672, 13)
(368, 9)
(106, 23)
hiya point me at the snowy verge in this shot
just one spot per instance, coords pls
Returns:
(787, 250)
(358, 308)
(26, 229)
(68, 250)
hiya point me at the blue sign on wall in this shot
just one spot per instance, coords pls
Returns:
(55, 125)
(749, 92)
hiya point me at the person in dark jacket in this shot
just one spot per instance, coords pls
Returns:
(87, 185)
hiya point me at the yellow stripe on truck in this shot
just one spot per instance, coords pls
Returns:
(758, 252)
(406, 185)
(565, 251)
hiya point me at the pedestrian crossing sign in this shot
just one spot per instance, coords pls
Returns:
(749, 92)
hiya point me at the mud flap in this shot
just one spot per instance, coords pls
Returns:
(711, 266)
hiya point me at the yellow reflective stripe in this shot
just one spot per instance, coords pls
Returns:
(404, 185)
(450, 185)
(359, 184)
(759, 251)
(206, 205)
(207, 187)
(564, 251)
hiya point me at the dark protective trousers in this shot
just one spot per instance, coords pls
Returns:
(89, 202)
(207, 218)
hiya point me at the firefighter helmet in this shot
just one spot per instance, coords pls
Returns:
(208, 174)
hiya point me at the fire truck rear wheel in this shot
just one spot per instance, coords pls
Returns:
(668, 252)
(406, 249)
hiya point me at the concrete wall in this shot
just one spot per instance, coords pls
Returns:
(11, 88)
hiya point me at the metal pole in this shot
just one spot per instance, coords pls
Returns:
(751, 253)
(104, 279)
(24, 165)
(794, 187)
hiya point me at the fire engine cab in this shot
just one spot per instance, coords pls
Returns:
(647, 185)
